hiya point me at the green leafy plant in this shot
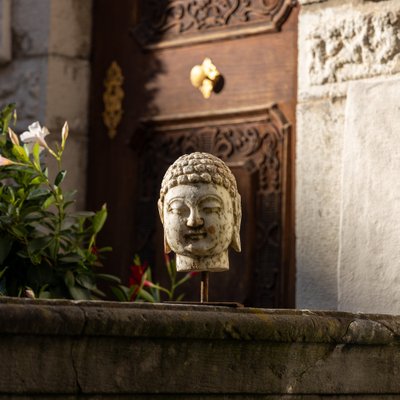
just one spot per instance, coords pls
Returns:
(46, 250)
(142, 288)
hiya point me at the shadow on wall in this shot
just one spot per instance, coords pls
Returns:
(118, 172)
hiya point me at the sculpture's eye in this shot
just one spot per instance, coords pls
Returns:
(178, 207)
(211, 210)
(211, 206)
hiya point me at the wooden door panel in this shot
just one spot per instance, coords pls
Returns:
(173, 23)
(250, 124)
(252, 76)
(255, 144)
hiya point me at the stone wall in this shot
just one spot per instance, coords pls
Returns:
(348, 214)
(99, 350)
(48, 73)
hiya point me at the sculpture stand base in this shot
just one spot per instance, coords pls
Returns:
(205, 276)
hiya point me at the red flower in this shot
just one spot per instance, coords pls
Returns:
(137, 272)
(136, 277)
(94, 250)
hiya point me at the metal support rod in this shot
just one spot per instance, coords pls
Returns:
(204, 286)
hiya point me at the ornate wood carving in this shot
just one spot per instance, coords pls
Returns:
(112, 98)
(254, 145)
(167, 23)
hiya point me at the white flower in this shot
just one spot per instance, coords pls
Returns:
(36, 134)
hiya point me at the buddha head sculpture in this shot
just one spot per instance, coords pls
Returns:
(200, 209)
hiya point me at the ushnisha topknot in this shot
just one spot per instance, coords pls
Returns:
(198, 168)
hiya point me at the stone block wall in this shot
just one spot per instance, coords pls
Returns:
(48, 74)
(348, 118)
(99, 350)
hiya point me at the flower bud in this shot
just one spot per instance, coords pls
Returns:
(13, 136)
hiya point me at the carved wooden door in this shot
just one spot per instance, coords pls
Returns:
(145, 113)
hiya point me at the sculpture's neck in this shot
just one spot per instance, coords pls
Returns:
(217, 263)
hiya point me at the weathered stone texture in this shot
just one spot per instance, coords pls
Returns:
(70, 28)
(48, 77)
(5, 31)
(25, 84)
(61, 27)
(30, 26)
(68, 94)
(369, 254)
(101, 350)
(340, 41)
(318, 165)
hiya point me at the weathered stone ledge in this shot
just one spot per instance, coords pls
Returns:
(98, 350)
(77, 318)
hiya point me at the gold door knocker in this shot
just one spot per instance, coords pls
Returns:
(112, 98)
(205, 77)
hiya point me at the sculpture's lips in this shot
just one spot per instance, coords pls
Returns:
(195, 235)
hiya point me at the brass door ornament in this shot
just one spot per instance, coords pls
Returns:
(205, 77)
(112, 98)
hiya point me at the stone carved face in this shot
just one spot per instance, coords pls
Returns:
(201, 219)
(198, 219)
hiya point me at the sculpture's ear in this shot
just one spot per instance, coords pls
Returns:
(160, 210)
(235, 243)
(167, 249)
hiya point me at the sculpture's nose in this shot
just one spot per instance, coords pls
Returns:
(194, 220)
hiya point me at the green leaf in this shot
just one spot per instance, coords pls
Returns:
(18, 231)
(70, 259)
(67, 204)
(37, 245)
(120, 292)
(48, 202)
(70, 195)
(146, 296)
(36, 181)
(37, 193)
(32, 212)
(109, 278)
(98, 292)
(60, 177)
(86, 281)
(99, 219)
(36, 259)
(104, 249)
(6, 114)
(5, 247)
(69, 279)
(79, 293)
(2, 272)
(136, 260)
(26, 150)
(36, 154)
(20, 153)
(11, 194)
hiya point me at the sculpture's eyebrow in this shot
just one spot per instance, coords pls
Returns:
(210, 197)
(175, 199)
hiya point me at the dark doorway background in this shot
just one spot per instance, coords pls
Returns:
(250, 124)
